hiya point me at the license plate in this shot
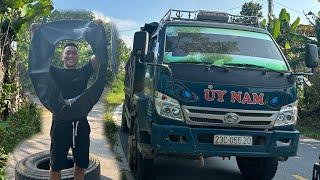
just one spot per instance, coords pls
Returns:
(232, 140)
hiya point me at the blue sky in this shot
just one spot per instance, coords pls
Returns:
(129, 15)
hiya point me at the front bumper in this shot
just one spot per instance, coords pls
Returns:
(182, 140)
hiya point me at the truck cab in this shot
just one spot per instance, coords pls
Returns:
(200, 84)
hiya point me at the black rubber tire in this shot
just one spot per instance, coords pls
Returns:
(144, 169)
(27, 169)
(124, 126)
(257, 168)
(141, 167)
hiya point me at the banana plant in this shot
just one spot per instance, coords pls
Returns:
(281, 29)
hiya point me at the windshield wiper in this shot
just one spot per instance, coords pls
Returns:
(255, 67)
(208, 64)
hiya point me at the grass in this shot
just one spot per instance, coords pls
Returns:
(19, 126)
(3, 159)
(309, 124)
(113, 98)
(110, 129)
(16, 128)
(309, 132)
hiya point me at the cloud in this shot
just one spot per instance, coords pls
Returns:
(128, 39)
(125, 27)
(100, 15)
(126, 24)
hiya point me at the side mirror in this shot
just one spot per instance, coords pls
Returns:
(140, 43)
(311, 57)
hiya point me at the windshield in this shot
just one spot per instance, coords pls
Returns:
(222, 47)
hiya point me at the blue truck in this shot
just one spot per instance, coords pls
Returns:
(201, 83)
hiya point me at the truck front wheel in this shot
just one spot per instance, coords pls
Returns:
(140, 166)
(263, 168)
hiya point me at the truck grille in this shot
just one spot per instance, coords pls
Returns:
(204, 116)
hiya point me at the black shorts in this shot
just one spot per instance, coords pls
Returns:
(69, 135)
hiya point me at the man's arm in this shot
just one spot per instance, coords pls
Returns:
(95, 63)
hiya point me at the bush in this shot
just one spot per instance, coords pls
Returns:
(19, 126)
(16, 128)
(309, 113)
(110, 128)
(114, 97)
(3, 159)
(309, 124)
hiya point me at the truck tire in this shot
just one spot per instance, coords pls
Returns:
(262, 168)
(36, 167)
(124, 126)
(140, 166)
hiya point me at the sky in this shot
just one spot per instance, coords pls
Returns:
(130, 15)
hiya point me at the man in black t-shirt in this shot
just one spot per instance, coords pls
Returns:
(66, 134)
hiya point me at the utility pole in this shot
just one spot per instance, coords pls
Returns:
(270, 10)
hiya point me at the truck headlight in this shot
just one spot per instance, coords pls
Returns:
(288, 115)
(167, 106)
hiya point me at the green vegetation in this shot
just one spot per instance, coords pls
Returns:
(282, 30)
(18, 118)
(251, 9)
(110, 129)
(16, 128)
(115, 95)
(19, 126)
(3, 159)
(15, 16)
(113, 98)
(309, 123)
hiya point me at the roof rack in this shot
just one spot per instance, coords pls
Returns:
(213, 16)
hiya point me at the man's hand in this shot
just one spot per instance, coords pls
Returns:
(95, 63)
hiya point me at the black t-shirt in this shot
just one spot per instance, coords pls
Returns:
(72, 82)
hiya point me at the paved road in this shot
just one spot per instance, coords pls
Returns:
(299, 167)
(110, 167)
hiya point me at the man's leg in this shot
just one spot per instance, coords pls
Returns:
(55, 175)
(78, 173)
(81, 150)
(61, 140)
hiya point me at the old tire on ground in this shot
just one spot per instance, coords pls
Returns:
(257, 168)
(124, 126)
(36, 167)
(141, 167)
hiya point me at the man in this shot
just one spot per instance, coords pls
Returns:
(75, 134)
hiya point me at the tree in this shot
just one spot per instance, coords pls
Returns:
(14, 18)
(251, 9)
(123, 53)
(283, 31)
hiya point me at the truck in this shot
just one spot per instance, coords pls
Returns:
(200, 84)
